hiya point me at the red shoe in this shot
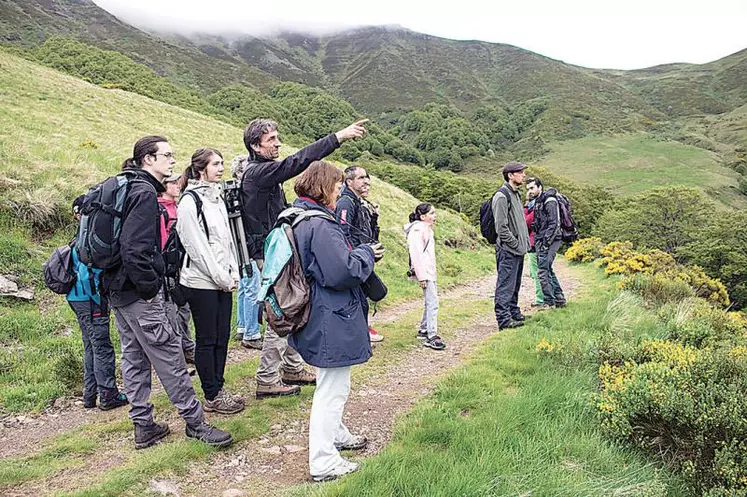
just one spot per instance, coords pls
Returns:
(372, 331)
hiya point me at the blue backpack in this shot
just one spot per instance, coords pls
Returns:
(285, 290)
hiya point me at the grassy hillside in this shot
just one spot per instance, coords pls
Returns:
(634, 163)
(59, 135)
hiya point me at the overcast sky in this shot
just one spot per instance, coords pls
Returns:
(618, 34)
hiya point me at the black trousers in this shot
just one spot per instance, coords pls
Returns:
(211, 312)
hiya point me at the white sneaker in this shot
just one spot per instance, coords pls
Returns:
(341, 469)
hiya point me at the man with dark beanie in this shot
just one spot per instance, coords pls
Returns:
(511, 245)
(263, 200)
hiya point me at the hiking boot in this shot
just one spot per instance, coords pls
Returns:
(303, 377)
(189, 356)
(148, 435)
(560, 304)
(89, 402)
(111, 400)
(209, 435)
(434, 343)
(255, 343)
(239, 334)
(422, 335)
(510, 324)
(279, 389)
(520, 317)
(374, 335)
(223, 403)
(357, 443)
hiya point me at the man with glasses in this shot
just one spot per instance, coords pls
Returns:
(134, 290)
(263, 200)
(357, 216)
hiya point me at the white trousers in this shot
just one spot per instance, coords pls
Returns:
(325, 424)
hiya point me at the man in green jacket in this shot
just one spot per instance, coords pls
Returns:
(511, 245)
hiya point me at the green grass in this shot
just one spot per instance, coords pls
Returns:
(175, 454)
(630, 164)
(516, 421)
(59, 135)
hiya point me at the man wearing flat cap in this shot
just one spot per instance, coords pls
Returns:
(511, 245)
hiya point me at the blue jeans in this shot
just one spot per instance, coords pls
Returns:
(248, 307)
(98, 359)
(550, 284)
(510, 268)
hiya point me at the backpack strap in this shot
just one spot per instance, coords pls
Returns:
(306, 214)
(198, 205)
(506, 193)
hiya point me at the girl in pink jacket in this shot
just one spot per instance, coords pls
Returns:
(422, 249)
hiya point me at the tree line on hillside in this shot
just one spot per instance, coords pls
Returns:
(436, 135)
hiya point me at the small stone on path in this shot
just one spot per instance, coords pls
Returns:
(233, 492)
(164, 487)
(275, 450)
(293, 448)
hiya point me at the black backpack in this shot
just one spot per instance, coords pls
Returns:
(101, 221)
(59, 270)
(174, 254)
(568, 227)
(487, 220)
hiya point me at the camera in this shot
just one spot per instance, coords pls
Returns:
(232, 197)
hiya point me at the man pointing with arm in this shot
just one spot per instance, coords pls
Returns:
(263, 200)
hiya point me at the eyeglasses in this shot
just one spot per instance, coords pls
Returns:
(168, 155)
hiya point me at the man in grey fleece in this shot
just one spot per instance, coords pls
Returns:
(511, 245)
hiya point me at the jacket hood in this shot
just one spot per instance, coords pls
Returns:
(208, 191)
(413, 226)
(550, 192)
(307, 203)
(146, 176)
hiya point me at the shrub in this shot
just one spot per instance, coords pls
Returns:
(686, 405)
(585, 250)
(657, 288)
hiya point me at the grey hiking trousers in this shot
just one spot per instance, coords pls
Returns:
(148, 339)
(276, 352)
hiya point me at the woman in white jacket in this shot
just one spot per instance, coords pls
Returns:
(209, 274)
(421, 245)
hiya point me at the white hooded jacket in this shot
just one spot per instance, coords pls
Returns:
(422, 248)
(210, 263)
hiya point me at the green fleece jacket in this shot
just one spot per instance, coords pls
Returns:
(508, 215)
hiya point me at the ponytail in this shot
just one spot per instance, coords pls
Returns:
(129, 164)
(420, 210)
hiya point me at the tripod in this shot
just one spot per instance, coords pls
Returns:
(232, 199)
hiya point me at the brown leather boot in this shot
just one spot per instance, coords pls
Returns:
(279, 389)
(303, 377)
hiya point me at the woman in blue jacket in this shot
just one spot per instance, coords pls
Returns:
(336, 335)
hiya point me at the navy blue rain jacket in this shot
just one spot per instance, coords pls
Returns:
(336, 334)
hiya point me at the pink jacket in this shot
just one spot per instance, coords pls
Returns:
(166, 208)
(422, 247)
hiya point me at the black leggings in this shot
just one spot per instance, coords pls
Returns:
(211, 312)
